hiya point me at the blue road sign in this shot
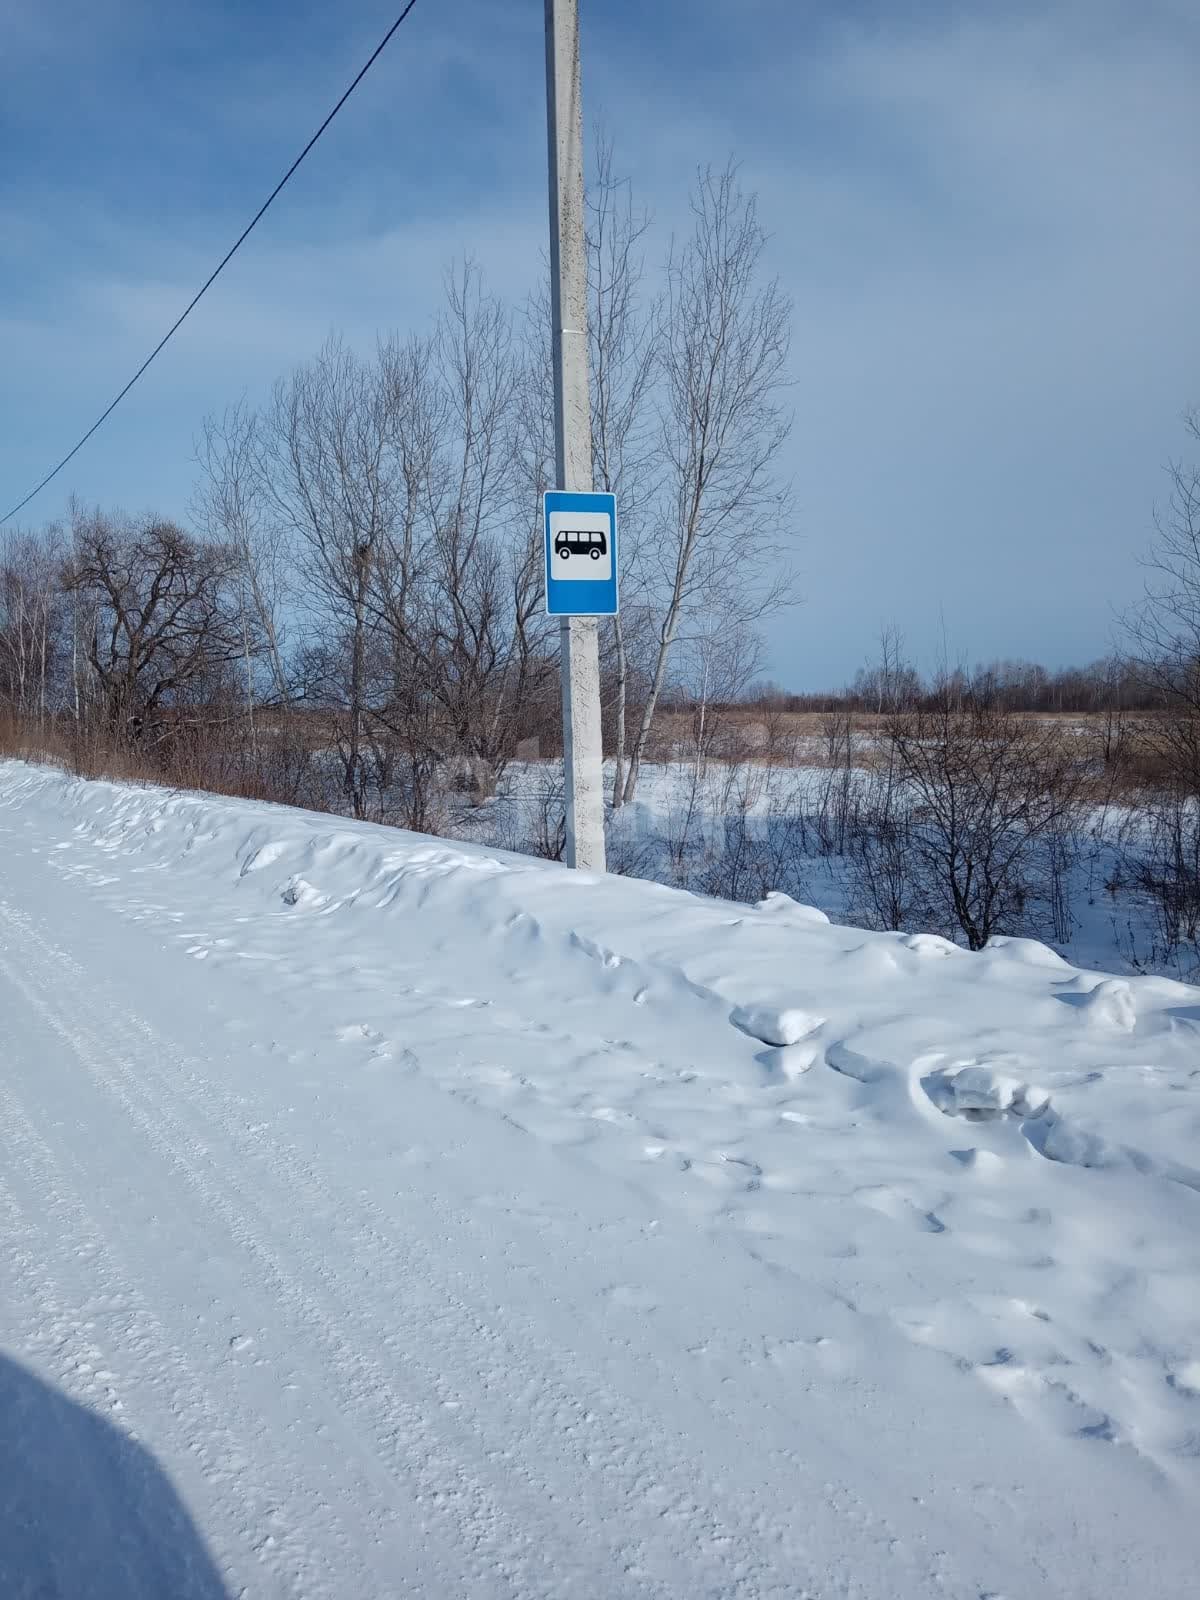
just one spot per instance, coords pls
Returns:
(581, 554)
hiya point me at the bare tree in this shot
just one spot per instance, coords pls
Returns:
(231, 505)
(480, 625)
(713, 777)
(164, 612)
(1163, 632)
(978, 823)
(623, 360)
(32, 621)
(463, 600)
(329, 477)
(889, 681)
(717, 542)
(398, 483)
(405, 708)
(1163, 644)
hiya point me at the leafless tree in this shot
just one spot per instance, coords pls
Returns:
(231, 505)
(885, 888)
(714, 669)
(463, 599)
(1163, 644)
(889, 681)
(397, 485)
(484, 626)
(713, 778)
(32, 621)
(718, 538)
(978, 822)
(164, 614)
(623, 360)
(1163, 632)
(331, 486)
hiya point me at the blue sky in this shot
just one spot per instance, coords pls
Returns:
(987, 216)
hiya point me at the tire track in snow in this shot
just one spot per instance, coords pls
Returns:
(51, 1244)
(608, 1433)
(548, 1430)
(403, 1451)
(553, 1428)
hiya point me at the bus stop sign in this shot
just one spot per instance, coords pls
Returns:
(581, 554)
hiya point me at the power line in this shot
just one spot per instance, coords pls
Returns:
(220, 267)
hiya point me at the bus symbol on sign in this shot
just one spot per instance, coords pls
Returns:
(570, 542)
(581, 554)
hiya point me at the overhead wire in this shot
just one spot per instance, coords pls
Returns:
(218, 269)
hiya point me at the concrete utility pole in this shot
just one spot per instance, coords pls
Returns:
(580, 652)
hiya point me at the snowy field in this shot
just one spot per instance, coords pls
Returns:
(743, 829)
(383, 1216)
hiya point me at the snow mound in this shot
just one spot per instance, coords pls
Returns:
(1111, 1005)
(299, 892)
(792, 1061)
(932, 944)
(778, 904)
(980, 1091)
(1059, 1139)
(777, 1025)
(1029, 952)
(259, 856)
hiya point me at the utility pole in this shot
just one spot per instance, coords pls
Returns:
(579, 636)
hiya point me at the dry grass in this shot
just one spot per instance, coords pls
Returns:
(1123, 762)
(818, 738)
(191, 759)
(1119, 771)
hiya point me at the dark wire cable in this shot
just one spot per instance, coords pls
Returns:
(216, 272)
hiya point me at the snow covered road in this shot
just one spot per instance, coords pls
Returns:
(382, 1217)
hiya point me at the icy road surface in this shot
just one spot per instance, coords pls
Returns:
(385, 1217)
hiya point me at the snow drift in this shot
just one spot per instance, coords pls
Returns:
(932, 1311)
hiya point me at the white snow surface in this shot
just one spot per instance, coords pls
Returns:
(382, 1216)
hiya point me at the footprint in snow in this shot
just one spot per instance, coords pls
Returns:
(631, 1297)
(353, 1033)
(890, 1202)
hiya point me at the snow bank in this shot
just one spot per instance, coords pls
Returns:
(966, 1182)
(876, 1007)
